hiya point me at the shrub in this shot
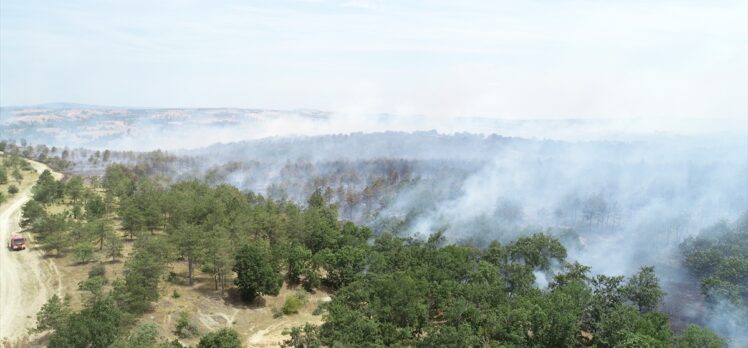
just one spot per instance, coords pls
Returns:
(319, 309)
(277, 312)
(12, 190)
(184, 327)
(223, 338)
(294, 303)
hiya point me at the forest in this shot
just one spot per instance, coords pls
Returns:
(388, 290)
(372, 173)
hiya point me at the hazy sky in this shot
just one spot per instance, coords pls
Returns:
(509, 59)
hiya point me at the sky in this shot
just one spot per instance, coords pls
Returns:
(525, 59)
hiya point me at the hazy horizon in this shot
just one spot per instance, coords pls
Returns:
(511, 60)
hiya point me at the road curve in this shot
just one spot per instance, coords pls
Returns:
(26, 278)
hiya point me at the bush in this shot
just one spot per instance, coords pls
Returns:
(223, 338)
(184, 327)
(3, 175)
(277, 312)
(294, 303)
(26, 166)
(175, 294)
(12, 190)
(319, 309)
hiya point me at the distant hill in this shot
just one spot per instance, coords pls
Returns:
(146, 129)
(67, 124)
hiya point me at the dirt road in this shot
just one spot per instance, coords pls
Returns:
(27, 279)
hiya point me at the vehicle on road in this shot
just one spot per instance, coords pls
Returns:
(17, 242)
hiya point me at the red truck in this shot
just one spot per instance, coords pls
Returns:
(17, 242)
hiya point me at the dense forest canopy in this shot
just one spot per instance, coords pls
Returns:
(614, 206)
(389, 290)
(718, 258)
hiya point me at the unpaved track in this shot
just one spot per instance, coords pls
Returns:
(26, 278)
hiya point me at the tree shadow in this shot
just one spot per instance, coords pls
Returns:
(82, 263)
(234, 298)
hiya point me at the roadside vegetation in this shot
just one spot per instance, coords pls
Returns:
(388, 290)
(15, 173)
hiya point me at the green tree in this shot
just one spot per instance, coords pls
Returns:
(77, 212)
(299, 260)
(537, 251)
(119, 180)
(636, 340)
(218, 258)
(53, 314)
(31, 212)
(303, 337)
(133, 220)
(697, 337)
(17, 175)
(3, 175)
(94, 286)
(618, 324)
(148, 198)
(53, 233)
(187, 238)
(607, 297)
(142, 274)
(45, 189)
(256, 273)
(343, 265)
(97, 325)
(12, 190)
(643, 289)
(347, 327)
(98, 231)
(223, 338)
(113, 246)
(74, 188)
(716, 290)
(321, 226)
(95, 207)
(316, 200)
(495, 253)
(719, 258)
(84, 252)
